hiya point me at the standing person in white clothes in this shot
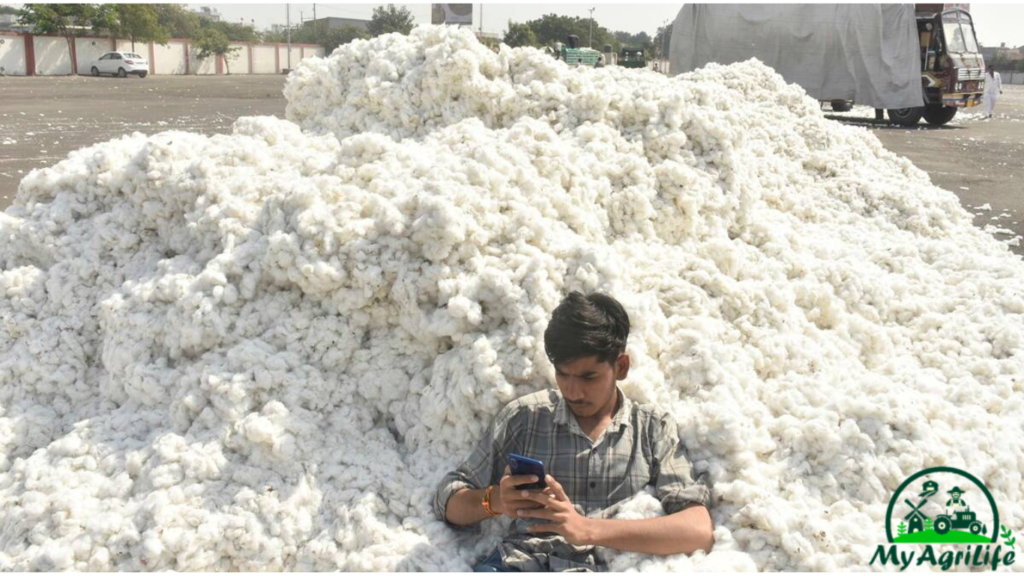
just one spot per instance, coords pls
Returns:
(993, 87)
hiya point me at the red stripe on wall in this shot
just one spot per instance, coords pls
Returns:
(30, 55)
(74, 57)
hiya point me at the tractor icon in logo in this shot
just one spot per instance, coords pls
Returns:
(943, 520)
(960, 518)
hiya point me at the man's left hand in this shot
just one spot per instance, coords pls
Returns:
(560, 512)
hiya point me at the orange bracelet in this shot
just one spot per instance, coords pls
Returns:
(486, 502)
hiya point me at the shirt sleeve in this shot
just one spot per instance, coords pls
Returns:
(481, 468)
(673, 475)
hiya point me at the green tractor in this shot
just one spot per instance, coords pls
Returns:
(960, 519)
(632, 58)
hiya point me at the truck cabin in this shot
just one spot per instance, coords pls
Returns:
(951, 60)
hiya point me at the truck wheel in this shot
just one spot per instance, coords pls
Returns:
(938, 115)
(906, 116)
(975, 528)
(842, 105)
(942, 525)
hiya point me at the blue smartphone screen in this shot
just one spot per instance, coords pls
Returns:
(522, 466)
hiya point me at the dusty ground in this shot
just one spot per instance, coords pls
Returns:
(42, 119)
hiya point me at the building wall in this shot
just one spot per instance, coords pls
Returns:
(263, 59)
(238, 62)
(169, 59)
(296, 56)
(87, 50)
(201, 67)
(12, 55)
(52, 56)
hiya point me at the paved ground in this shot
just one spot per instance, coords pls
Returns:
(981, 161)
(42, 119)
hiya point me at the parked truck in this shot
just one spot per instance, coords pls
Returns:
(913, 60)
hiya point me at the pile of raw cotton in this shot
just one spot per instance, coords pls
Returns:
(261, 351)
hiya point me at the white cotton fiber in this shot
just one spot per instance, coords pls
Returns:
(261, 350)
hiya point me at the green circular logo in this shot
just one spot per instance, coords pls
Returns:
(953, 522)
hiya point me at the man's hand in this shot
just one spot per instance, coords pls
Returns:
(510, 499)
(560, 512)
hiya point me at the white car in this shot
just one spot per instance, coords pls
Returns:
(120, 64)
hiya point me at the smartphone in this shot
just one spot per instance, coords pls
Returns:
(523, 466)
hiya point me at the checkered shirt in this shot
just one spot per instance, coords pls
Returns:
(639, 448)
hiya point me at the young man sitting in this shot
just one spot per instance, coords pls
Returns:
(598, 449)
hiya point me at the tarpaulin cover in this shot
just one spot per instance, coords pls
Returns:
(868, 53)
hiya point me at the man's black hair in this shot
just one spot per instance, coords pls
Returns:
(582, 326)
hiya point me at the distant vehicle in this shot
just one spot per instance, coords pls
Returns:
(632, 58)
(120, 64)
(914, 60)
(571, 53)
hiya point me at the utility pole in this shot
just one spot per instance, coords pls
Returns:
(481, 19)
(591, 41)
(288, 19)
(316, 34)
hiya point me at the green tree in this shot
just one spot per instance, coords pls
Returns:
(235, 32)
(927, 523)
(520, 35)
(902, 529)
(67, 20)
(335, 37)
(552, 28)
(136, 22)
(387, 19)
(179, 22)
(210, 41)
(662, 40)
(8, 9)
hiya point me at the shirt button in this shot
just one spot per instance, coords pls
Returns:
(593, 484)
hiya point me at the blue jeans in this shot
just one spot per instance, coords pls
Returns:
(493, 563)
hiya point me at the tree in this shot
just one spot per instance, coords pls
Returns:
(8, 9)
(662, 41)
(552, 28)
(137, 22)
(340, 36)
(387, 19)
(67, 20)
(902, 529)
(927, 523)
(234, 32)
(210, 41)
(520, 35)
(179, 22)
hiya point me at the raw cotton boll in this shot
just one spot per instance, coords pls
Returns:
(262, 350)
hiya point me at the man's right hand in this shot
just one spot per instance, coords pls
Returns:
(510, 498)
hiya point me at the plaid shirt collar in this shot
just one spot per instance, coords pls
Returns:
(564, 415)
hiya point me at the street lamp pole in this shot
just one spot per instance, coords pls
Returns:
(288, 19)
(591, 41)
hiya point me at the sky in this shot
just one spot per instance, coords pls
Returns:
(995, 23)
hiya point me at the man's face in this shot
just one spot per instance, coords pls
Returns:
(588, 385)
